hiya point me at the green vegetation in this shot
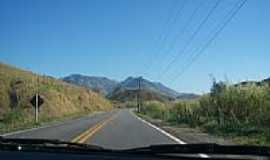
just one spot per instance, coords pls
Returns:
(124, 95)
(127, 104)
(154, 109)
(61, 99)
(238, 111)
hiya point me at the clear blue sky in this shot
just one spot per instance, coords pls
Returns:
(120, 38)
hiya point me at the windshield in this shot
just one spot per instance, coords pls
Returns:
(124, 74)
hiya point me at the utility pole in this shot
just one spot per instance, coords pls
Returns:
(138, 95)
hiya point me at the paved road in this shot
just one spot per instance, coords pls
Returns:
(118, 129)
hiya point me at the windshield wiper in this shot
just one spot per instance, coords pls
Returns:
(25, 143)
(207, 148)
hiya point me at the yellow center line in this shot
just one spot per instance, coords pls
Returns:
(83, 134)
(83, 137)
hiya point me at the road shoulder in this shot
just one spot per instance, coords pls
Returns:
(185, 133)
(48, 124)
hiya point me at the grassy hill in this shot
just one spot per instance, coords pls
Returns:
(61, 99)
(124, 95)
(101, 85)
(127, 90)
(131, 83)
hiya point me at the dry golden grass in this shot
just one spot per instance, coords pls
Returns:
(18, 86)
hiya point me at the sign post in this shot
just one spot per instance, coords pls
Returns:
(36, 101)
(36, 109)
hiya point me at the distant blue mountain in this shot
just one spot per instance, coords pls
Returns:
(99, 84)
(112, 88)
(133, 83)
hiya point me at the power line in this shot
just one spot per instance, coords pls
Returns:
(192, 51)
(166, 22)
(164, 28)
(178, 14)
(232, 13)
(183, 30)
(162, 39)
(194, 34)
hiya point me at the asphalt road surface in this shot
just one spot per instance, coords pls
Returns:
(118, 129)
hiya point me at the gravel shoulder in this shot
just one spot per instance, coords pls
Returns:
(187, 134)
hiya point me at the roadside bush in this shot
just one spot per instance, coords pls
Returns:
(130, 104)
(185, 112)
(155, 109)
(233, 110)
(13, 119)
(237, 105)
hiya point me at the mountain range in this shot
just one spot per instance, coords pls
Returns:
(127, 88)
(102, 85)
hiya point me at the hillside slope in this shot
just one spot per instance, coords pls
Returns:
(123, 95)
(127, 91)
(18, 86)
(99, 84)
(132, 83)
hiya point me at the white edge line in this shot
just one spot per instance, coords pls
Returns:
(29, 130)
(165, 133)
(45, 126)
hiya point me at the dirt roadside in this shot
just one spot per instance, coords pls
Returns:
(187, 134)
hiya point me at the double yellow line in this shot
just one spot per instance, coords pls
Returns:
(83, 137)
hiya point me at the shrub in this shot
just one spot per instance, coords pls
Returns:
(241, 110)
(185, 112)
(154, 109)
